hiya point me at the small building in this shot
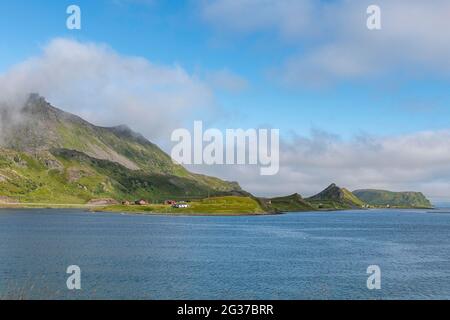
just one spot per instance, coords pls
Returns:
(140, 202)
(180, 205)
(170, 202)
(126, 203)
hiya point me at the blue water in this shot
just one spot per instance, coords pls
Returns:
(292, 256)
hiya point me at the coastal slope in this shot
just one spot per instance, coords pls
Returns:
(335, 198)
(291, 203)
(51, 156)
(393, 199)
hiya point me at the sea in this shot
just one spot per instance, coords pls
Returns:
(359, 254)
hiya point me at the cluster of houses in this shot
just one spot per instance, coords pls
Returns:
(178, 205)
(173, 203)
(137, 202)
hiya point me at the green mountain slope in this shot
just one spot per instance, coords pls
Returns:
(48, 155)
(334, 197)
(292, 203)
(228, 205)
(393, 199)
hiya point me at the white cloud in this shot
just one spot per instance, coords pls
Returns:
(107, 88)
(414, 162)
(227, 80)
(289, 17)
(332, 38)
(137, 2)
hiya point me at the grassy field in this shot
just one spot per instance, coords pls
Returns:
(292, 203)
(76, 178)
(383, 198)
(58, 158)
(328, 205)
(225, 206)
(45, 206)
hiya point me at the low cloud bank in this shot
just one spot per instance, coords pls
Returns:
(107, 88)
(332, 39)
(414, 162)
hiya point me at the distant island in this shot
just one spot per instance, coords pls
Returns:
(336, 198)
(385, 198)
(51, 158)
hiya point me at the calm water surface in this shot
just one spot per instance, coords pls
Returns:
(292, 256)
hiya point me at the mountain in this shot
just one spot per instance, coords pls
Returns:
(51, 156)
(48, 155)
(334, 197)
(393, 199)
(292, 203)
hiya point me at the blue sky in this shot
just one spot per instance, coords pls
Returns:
(305, 67)
(170, 32)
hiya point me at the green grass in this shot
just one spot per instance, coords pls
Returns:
(72, 139)
(352, 199)
(228, 205)
(335, 198)
(292, 203)
(80, 178)
(382, 198)
(329, 205)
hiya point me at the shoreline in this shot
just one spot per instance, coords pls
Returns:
(105, 209)
(90, 208)
(46, 206)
